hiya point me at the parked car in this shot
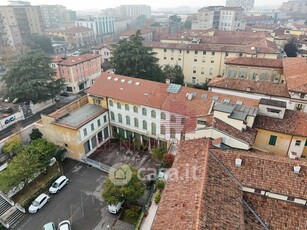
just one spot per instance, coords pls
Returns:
(7, 110)
(15, 100)
(7, 100)
(58, 184)
(64, 94)
(49, 226)
(64, 225)
(38, 203)
(114, 208)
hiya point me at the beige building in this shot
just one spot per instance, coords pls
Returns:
(203, 57)
(219, 17)
(245, 4)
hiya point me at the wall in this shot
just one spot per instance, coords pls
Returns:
(234, 123)
(297, 148)
(281, 146)
(40, 106)
(10, 120)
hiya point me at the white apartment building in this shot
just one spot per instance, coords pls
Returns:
(134, 11)
(101, 25)
(219, 17)
(245, 4)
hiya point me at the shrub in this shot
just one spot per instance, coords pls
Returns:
(35, 134)
(157, 154)
(157, 197)
(13, 146)
(132, 212)
(160, 184)
(169, 160)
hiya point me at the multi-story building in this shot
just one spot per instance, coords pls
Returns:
(105, 52)
(146, 33)
(79, 72)
(245, 4)
(77, 36)
(219, 17)
(20, 20)
(294, 6)
(202, 56)
(101, 25)
(134, 11)
(52, 15)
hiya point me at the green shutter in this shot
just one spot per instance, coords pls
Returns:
(272, 140)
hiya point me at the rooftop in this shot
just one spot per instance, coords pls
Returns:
(79, 117)
(236, 111)
(100, 46)
(265, 101)
(133, 32)
(295, 72)
(293, 123)
(257, 62)
(74, 60)
(78, 29)
(156, 95)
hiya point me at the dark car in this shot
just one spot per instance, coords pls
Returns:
(64, 94)
(7, 110)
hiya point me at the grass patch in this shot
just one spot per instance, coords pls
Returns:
(39, 185)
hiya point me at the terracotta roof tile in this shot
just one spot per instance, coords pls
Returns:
(78, 29)
(74, 60)
(251, 86)
(295, 72)
(133, 32)
(257, 62)
(293, 123)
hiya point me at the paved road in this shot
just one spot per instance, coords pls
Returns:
(79, 201)
(11, 129)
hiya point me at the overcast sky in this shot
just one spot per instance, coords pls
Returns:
(101, 4)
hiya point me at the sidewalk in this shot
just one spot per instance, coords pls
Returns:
(148, 220)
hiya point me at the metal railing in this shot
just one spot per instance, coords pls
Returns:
(97, 164)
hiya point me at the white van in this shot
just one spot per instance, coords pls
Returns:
(114, 208)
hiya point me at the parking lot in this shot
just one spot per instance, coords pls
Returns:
(79, 201)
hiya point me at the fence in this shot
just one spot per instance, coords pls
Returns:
(96, 164)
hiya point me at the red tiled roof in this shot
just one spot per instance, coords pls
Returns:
(133, 32)
(295, 72)
(154, 94)
(261, 87)
(100, 46)
(74, 60)
(265, 171)
(210, 199)
(78, 29)
(293, 123)
(257, 62)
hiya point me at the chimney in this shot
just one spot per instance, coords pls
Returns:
(168, 81)
(296, 169)
(238, 162)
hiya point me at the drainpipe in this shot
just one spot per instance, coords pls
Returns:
(289, 145)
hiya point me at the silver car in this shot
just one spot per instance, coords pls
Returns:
(58, 184)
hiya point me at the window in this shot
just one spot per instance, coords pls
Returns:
(298, 142)
(119, 106)
(204, 59)
(127, 120)
(201, 122)
(173, 118)
(164, 58)
(272, 140)
(302, 95)
(172, 57)
(145, 125)
(173, 133)
(202, 71)
(240, 54)
(273, 110)
(126, 107)
(110, 102)
(163, 116)
(195, 59)
(226, 54)
(196, 52)
(172, 50)
(112, 116)
(211, 71)
(84, 131)
(92, 127)
(204, 52)
(213, 53)
(165, 50)
(120, 118)
(212, 61)
(135, 109)
(144, 112)
(136, 122)
(179, 58)
(98, 123)
(153, 129)
(162, 129)
(183, 121)
(306, 142)
(188, 51)
(153, 114)
(193, 79)
(194, 69)
(96, 101)
(105, 118)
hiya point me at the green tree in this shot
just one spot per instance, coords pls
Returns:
(13, 146)
(174, 74)
(35, 134)
(291, 48)
(30, 78)
(37, 41)
(187, 24)
(132, 58)
(174, 18)
(130, 192)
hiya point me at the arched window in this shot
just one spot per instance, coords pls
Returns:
(163, 116)
(144, 112)
(126, 107)
(153, 129)
(136, 122)
(173, 118)
(162, 129)
(127, 120)
(135, 109)
(120, 118)
(183, 121)
(119, 106)
(153, 114)
(110, 102)
(112, 116)
(173, 133)
(145, 125)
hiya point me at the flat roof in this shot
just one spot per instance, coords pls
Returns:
(276, 103)
(81, 116)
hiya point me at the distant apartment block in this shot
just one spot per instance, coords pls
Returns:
(245, 4)
(134, 11)
(105, 52)
(18, 21)
(298, 6)
(79, 72)
(219, 17)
